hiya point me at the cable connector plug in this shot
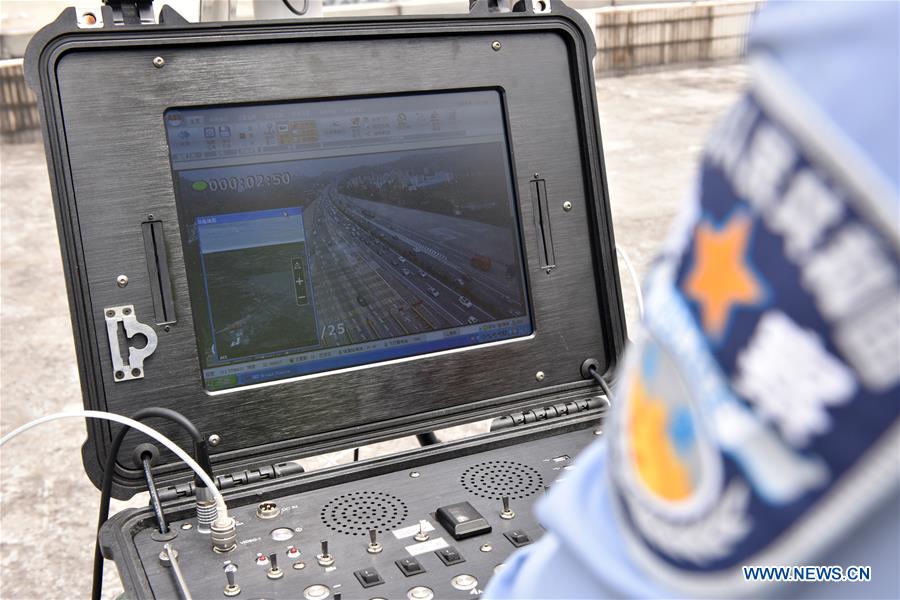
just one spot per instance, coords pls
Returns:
(223, 534)
(203, 496)
(206, 509)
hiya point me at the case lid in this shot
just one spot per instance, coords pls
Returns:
(311, 235)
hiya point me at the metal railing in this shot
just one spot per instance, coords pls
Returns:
(629, 38)
(642, 37)
(18, 106)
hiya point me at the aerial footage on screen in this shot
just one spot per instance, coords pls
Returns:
(256, 260)
(352, 259)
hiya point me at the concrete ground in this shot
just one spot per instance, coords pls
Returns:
(653, 128)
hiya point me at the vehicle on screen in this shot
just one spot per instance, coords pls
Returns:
(399, 246)
(481, 262)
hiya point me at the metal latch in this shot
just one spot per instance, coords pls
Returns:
(134, 368)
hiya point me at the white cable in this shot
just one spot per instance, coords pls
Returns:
(634, 279)
(97, 414)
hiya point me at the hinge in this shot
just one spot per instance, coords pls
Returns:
(230, 480)
(132, 12)
(126, 13)
(536, 7)
(549, 412)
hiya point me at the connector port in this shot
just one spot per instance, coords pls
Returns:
(267, 510)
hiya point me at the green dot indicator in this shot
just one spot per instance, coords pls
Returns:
(199, 186)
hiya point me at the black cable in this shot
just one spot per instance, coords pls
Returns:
(154, 497)
(110, 467)
(201, 455)
(599, 379)
(291, 8)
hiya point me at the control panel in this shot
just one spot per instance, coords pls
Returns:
(439, 530)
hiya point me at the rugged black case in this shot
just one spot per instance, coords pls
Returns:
(48, 47)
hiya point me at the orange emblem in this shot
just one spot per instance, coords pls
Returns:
(654, 455)
(719, 279)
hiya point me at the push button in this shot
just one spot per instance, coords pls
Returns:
(518, 538)
(409, 566)
(462, 521)
(368, 577)
(450, 556)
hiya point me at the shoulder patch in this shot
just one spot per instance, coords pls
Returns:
(765, 387)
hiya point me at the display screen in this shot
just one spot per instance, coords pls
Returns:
(331, 234)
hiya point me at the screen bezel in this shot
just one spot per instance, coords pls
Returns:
(100, 210)
(510, 181)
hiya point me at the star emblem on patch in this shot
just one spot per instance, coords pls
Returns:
(721, 279)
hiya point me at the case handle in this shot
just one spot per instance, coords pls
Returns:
(134, 368)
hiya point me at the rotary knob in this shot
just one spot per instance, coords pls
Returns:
(317, 591)
(420, 592)
(464, 582)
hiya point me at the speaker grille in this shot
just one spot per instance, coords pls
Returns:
(497, 478)
(358, 512)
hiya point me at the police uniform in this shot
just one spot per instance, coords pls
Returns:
(757, 415)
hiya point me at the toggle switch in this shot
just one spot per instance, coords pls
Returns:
(507, 513)
(231, 588)
(374, 546)
(325, 559)
(422, 535)
(274, 572)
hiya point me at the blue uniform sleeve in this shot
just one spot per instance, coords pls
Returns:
(581, 555)
(756, 419)
(845, 57)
